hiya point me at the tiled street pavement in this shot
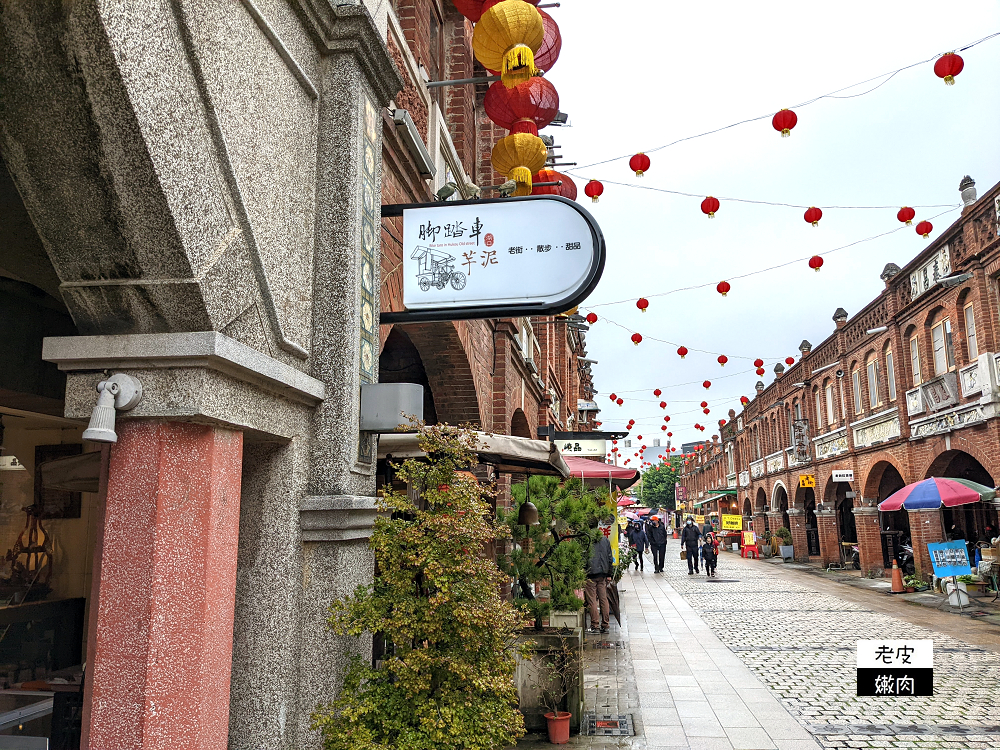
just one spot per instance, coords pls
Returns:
(756, 661)
(802, 645)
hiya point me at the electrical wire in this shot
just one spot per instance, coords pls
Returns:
(831, 95)
(760, 271)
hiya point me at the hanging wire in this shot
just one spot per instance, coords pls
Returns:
(831, 95)
(760, 271)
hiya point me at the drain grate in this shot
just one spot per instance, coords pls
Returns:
(608, 726)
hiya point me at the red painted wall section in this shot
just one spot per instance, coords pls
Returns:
(160, 645)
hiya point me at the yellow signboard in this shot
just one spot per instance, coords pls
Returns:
(807, 480)
(733, 523)
(749, 538)
(699, 519)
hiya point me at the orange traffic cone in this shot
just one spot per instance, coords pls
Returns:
(897, 579)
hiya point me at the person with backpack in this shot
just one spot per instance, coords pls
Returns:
(690, 535)
(637, 541)
(710, 552)
(656, 534)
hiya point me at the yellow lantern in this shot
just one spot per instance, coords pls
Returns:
(506, 39)
(518, 156)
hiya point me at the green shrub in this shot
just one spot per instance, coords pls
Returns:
(446, 681)
(785, 535)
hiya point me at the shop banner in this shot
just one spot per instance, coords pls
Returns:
(732, 523)
(950, 559)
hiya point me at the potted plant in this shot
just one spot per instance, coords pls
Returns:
(913, 583)
(556, 678)
(445, 678)
(785, 548)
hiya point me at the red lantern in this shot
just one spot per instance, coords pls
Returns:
(706, 410)
(703, 404)
(758, 362)
(613, 397)
(744, 400)
(663, 427)
(548, 53)
(620, 401)
(592, 318)
(722, 423)
(672, 449)
(906, 215)
(594, 190)
(816, 263)
(636, 338)
(642, 303)
(783, 121)
(663, 404)
(566, 190)
(723, 288)
(657, 392)
(789, 361)
(813, 215)
(639, 437)
(682, 351)
(524, 108)
(666, 419)
(924, 228)
(723, 359)
(707, 384)
(709, 206)
(639, 164)
(670, 434)
(948, 66)
(760, 371)
(474, 9)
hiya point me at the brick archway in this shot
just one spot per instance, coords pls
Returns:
(881, 463)
(519, 426)
(449, 371)
(939, 464)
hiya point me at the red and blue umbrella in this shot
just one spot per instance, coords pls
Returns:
(937, 491)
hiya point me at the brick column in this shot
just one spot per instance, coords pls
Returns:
(829, 540)
(869, 538)
(758, 525)
(160, 645)
(797, 522)
(925, 528)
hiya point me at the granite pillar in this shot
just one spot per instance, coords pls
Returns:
(160, 646)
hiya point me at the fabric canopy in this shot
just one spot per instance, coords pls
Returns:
(506, 453)
(598, 472)
(935, 492)
(625, 501)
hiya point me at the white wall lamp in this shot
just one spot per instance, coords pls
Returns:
(119, 392)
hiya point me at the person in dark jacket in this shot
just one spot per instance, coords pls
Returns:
(710, 552)
(689, 540)
(598, 576)
(656, 535)
(637, 541)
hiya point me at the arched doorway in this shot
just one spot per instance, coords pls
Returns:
(895, 525)
(781, 503)
(762, 507)
(519, 426)
(805, 500)
(965, 521)
(747, 508)
(400, 362)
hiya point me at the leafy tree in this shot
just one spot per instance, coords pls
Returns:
(447, 678)
(658, 484)
(558, 549)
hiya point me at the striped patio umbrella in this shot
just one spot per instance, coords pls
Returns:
(935, 492)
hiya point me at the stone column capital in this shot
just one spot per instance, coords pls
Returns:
(336, 518)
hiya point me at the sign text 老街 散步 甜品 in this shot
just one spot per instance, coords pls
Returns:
(497, 258)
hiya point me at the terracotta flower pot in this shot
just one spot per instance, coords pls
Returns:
(558, 727)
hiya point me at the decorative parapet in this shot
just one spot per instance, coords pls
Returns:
(744, 479)
(757, 469)
(878, 428)
(730, 480)
(775, 462)
(953, 419)
(831, 444)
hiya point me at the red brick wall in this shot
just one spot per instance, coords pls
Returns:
(829, 539)
(925, 528)
(869, 539)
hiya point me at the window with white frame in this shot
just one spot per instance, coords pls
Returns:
(819, 407)
(944, 352)
(915, 359)
(831, 415)
(856, 383)
(970, 332)
(873, 395)
(890, 374)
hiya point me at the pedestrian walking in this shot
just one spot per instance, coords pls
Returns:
(598, 578)
(656, 534)
(706, 529)
(637, 541)
(689, 541)
(710, 552)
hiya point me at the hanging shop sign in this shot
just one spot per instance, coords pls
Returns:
(807, 480)
(681, 493)
(732, 523)
(699, 519)
(583, 447)
(842, 475)
(496, 258)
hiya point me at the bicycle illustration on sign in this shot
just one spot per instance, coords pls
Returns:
(436, 268)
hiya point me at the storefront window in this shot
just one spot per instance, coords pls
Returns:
(944, 353)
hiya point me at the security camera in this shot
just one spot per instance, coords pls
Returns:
(840, 373)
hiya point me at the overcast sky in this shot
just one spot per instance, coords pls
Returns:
(637, 75)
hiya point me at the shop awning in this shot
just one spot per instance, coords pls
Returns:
(713, 497)
(598, 472)
(506, 453)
